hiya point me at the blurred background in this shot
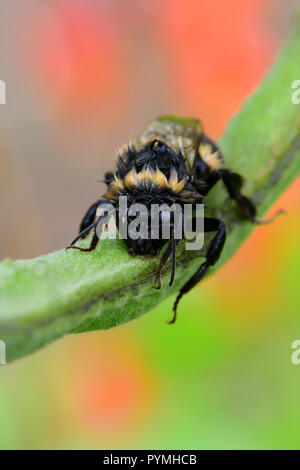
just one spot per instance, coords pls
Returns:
(82, 76)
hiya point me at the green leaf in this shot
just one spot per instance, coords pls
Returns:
(45, 298)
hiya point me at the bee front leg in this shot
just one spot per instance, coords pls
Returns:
(90, 215)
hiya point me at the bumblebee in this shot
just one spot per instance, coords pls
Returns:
(171, 161)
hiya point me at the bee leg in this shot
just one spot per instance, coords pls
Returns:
(93, 244)
(95, 238)
(174, 245)
(213, 254)
(233, 183)
(162, 262)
